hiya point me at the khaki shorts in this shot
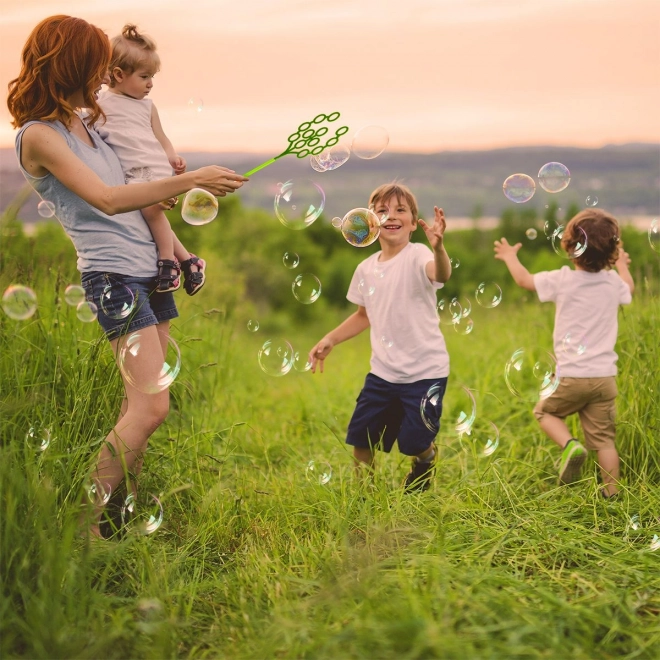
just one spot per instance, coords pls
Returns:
(594, 401)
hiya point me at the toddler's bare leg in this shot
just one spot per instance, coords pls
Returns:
(608, 460)
(160, 229)
(180, 251)
(555, 428)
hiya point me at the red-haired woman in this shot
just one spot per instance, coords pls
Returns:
(64, 63)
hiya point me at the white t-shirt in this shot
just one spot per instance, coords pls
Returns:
(127, 130)
(585, 319)
(400, 300)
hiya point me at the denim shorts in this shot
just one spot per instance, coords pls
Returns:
(126, 303)
(386, 412)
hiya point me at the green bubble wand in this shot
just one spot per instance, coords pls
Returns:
(306, 141)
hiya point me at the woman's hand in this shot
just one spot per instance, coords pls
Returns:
(218, 180)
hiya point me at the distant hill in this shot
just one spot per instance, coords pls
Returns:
(625, 178)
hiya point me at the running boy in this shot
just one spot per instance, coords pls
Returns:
(587, 301)
(395, 291)
(132, 128)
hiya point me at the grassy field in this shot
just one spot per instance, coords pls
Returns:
(257, 559)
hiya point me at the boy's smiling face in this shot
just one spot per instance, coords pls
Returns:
(400, 223)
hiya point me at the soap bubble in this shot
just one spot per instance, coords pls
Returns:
(301, 362)
(333, 157)
(38, 437)
(19, 302)
(74, 294)
(519, 188)
(336, 222)
(360, 227)
(448, 312)
(466, 306)
(117, 300)
(315, 164)
(143, 371)
(488, 294)
(633, 523)
(463, 408)
(199, 207)
(98, 493)
(319, 472)
(550, 227)
(655, 543)
(573, 344)
(306, 288)
(386, 342)
(464, 325)
(531, 374)
(591, 200)
(654, 234)
(87, 311)
(485, 437)
(370, 142)
(195, 104)
(298, 204)
(143, 515)
(276, 357)
(430, 407)
(252, 325)
(366, 289)
(554, 177)
(531, 233)
(580, 245)
(455, 262)
(46, 209)
(290, 260)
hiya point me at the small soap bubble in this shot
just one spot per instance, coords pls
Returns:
(74, 294)
(575, 251)
(386, 342)
(195, 104)
(488, 295)
(46, 209)
(591, 200)
(455, 309)
(306, 288)
(378, 271)
(655, 543)
(38, 437)
(430, 407)
(448, 312)
(360, 227)
(19, 302)
(253, 325)
(573, 344)
(87, 311)
(334, 157)
(463, 409)
(485, 436)
(98, 493)
(291, 260)
(531, 233)
(298, 204)
(117, 300)
(301, 362)
(531, 375)
(319, 472)
(654, 234)
(549, 228)
(142, 515)
(633, 523)
(370, 142)
(455, 262)
(366, 289)
(336, 222)
(143, 373)
(464, 325)
(554, 177)
(276, 357)
(199, 207)
(519, 188)
(466, 306)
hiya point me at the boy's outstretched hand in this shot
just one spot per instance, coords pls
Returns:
(504, 251)
(318, 354)
(435, 233)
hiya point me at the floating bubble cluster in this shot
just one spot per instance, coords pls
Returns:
(531, 375)
(554, 177)
(298, 204)
(19, 302)
(519, 188)
(276, 357)
(199, 207)
(360, 227)
(370, 142)
(141, 371)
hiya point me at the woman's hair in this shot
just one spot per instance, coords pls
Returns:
(384, 192)
(600, 230)
(131, 50)
(62, 55)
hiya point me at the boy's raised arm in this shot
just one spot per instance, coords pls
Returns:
(438, 270)
(509, 255)
(621, 264)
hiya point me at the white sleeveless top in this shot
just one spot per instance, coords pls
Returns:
(127, 129)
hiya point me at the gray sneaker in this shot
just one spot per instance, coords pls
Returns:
(572, 460)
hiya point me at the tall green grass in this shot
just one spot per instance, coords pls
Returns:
(256, 560)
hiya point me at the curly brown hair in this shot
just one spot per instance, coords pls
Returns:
(63, 54)
(600, 230)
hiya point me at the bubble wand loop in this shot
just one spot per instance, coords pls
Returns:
(306, 140)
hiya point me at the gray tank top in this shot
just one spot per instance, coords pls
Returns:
(120, 243)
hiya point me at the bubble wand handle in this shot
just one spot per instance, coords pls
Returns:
(261, 167)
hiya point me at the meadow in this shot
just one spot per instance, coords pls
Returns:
(258, 557)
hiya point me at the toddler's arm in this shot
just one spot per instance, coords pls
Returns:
(509, 255)
(177, 162)
(353, 325)
(438, 270)
(621, 264)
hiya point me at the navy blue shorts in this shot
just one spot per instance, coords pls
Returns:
(386, 412)
(150, 308)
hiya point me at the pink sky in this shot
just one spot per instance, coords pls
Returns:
(437, 74)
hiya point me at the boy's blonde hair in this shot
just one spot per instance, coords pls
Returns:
(602, 234)
(131, 50)
(387, 190)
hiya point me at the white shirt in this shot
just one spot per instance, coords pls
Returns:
(585, 319)
(128, 131)
(400, 300)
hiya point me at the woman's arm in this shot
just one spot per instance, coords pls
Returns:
(44, 150)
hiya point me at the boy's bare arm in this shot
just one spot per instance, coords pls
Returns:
(621, 264)
(438, 270)
(352, 326)
(509, 255)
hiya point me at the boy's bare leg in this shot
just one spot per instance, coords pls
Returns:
(608, 460)
(364, 459)
(160, 229)
(555, 428)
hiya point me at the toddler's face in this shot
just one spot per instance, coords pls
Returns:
(138, 84)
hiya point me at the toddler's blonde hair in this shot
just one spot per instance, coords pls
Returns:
(130, 50)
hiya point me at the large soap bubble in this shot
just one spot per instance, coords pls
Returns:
(199, 207)
(298, 204)
(145, 374)
(554, 177)
(360, 227)
(519, 188)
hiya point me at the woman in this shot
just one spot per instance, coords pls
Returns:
(64, 63)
